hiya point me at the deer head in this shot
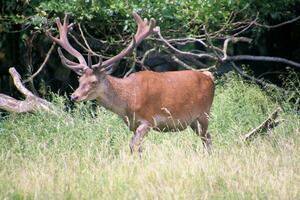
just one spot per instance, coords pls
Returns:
(92, 75)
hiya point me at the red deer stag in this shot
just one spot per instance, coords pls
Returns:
(168, 101)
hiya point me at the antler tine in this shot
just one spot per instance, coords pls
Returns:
(99, 64)
(89, 60)
(66, 22)
(64, 43)
(68, 63)
(145, 28)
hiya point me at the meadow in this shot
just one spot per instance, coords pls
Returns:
(83, 153)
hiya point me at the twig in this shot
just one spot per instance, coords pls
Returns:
(204, 55)
(183, 64)
(132, 65)
(266, 125)
(251, 78)
(197, 62)
(42, 65)
(278, 25)
(147, 53)
(84, 39)
(82, 46)
(92, 37)
(211, 46)
(247, 27)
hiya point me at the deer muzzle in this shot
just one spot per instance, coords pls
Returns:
(74, 97)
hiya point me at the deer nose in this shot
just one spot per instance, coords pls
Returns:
(74, 97)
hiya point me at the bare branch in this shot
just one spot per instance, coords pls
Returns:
(42, 65)
(85, 48)
(266, 125)
(18, 83)
(84, 39)
(92, 37)
(233, 40)
(261, 58)
(183, 64)
(201, 56)
(132, 68)
(211, 46)
(251, 78)
(31, 102)
(147, 53)
(247, 27)
(278, 25)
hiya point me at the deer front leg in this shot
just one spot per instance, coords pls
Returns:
(137, 139)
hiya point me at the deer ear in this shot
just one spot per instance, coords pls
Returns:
(111, 68)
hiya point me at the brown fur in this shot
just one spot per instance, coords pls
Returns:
(167, 101)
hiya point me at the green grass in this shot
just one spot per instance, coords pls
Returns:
(84, 154)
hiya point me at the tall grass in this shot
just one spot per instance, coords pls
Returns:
(83, 153)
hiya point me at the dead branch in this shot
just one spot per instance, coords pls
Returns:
(233, 40)
(92, 37)
(147, 53)
(216, 56)
(42, 65)
(278, 25)
(85, 48)
(183, 64)
(211, 46)
(200, 56)
(84, 39)
(132, 68)
(262, 58)
(266, 125)
(247, 27)
(31, 102)
(255, 80)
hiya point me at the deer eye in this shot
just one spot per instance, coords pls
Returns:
(94, 82)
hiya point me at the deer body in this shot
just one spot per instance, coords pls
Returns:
(167, 101)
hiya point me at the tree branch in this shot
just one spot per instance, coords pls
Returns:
(183, 64)
(42, 65)
(200, 56)
(278, 25)
(31, 102)
(266, 125)
(261, 58)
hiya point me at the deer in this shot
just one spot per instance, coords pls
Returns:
(145, 100)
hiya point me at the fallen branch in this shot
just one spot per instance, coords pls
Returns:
(31, 102)
(268, 124)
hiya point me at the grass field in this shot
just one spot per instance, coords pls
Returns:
(84, 154)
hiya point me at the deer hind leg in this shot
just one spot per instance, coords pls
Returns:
(200, 126)
(137, 139)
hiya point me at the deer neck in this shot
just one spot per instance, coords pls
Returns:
(115, 94)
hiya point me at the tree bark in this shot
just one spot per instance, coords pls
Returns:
(30, 104)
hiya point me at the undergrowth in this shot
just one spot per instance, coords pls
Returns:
(83, 153)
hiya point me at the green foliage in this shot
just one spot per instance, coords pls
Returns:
(83, 153)
(184, 16)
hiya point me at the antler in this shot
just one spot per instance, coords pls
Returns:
(64, 43)
(145, 29)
